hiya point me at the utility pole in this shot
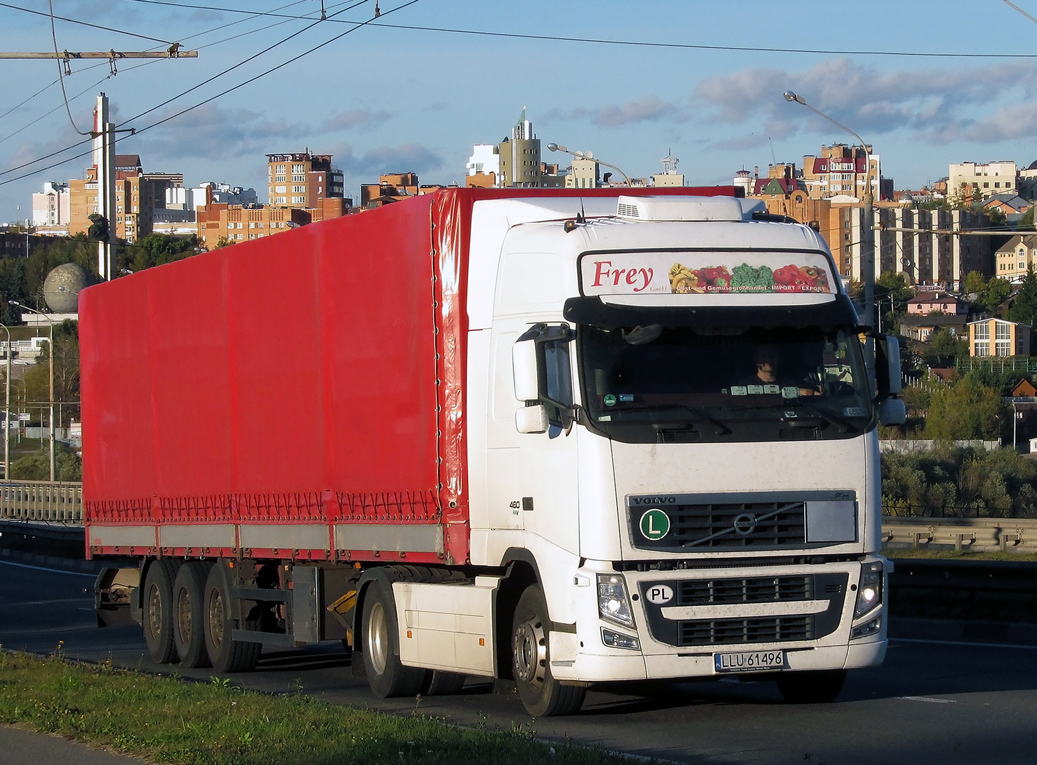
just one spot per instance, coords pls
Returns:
(104, 138)
(104, 161)
(112, 55)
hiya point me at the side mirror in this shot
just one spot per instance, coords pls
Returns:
(887, 366)
(531, 419)
(542, 377)
(892, 411)
(524, 366)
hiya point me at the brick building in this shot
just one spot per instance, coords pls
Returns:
(303, 179)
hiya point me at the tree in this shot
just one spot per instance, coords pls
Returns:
(943, 349)
(1026, 222)
(997, 216)
(1024, 308)
(66, 375)
(994, 293)
(966, 410)
(156, 250)
(975, 283)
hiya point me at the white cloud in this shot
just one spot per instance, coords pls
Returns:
(646, 109)
(934, 105)
(353, 119)
(406, 158)
(213, 132)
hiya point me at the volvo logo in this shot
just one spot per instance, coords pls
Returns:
(744, 524)
(653, 501)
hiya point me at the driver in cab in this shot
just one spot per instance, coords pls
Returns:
(769, 372)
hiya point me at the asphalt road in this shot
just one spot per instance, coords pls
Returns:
(932, 701)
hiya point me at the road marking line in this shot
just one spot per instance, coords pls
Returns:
(964, 643)
(51, 570)
(926, 698)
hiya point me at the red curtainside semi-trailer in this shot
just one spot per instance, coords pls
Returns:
(387, 429)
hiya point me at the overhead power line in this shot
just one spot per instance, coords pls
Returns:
(358, 25)
(86, 24)
(607, 41)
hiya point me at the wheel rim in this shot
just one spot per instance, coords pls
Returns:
(183, 616)
(216, 619)
(378, 638)
(154, 610)
(530, 652)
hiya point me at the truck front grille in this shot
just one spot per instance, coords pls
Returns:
(737, 631)
(659, 596)
(771, 589)
(742, 525)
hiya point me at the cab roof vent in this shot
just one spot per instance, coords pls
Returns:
(672, 208)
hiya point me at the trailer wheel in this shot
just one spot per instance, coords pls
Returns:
(225, 653)
(541, 694)
(385, 674)
(158, 611)
(188, 614)
(817, 687)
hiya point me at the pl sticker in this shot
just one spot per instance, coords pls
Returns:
(655, 524)
(609, 400)
(659, 594)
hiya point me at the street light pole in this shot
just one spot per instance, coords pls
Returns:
(868, 230)
(582, 155)
(7, 410)
(51, 352)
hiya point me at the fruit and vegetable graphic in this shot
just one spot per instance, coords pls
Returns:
(746, 278)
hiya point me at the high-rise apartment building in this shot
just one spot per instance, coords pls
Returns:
(303, 179)
(51, 207)
(843, 170)
(520, 164)
(969, 182)
(137, 196)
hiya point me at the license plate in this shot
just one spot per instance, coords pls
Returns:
(749, 661)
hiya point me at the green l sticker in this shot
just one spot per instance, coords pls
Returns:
(655, 524)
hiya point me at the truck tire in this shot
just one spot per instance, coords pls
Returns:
(188, 614)
(385, 674)
(541, 694)
(158, 611)
(816, 687)
(225, 653)
(439, 683)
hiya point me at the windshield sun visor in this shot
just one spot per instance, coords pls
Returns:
(594, 312)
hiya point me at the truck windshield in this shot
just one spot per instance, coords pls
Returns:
(678, 384)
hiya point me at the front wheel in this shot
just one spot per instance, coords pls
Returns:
(816, 687)
(541, 694)
(385, 674)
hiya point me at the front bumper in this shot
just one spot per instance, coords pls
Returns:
(806, 611)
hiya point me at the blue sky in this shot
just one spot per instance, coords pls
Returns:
(384, 98)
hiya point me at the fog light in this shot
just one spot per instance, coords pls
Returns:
(619, 640)
(868, 628)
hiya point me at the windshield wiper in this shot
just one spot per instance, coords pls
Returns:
(844, 426)
(698, 415)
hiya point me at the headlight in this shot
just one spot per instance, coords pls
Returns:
(869, 591)
(613, 603)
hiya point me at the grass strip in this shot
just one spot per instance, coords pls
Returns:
(168, 720)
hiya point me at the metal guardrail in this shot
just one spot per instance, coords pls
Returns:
(46, 502)
(41, 501)
(1005, 534)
